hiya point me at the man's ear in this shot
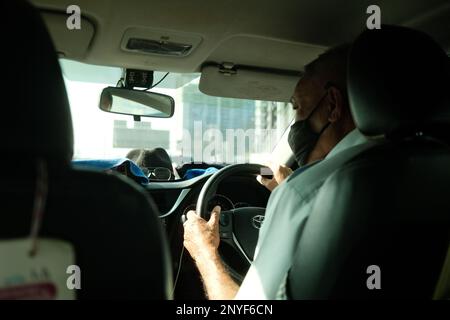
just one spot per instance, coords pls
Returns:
(336, 104)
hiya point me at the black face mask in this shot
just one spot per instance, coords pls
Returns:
(302, 138)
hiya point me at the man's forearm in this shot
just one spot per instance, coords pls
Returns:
(218, 283)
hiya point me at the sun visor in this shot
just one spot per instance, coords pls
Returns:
(248, 83)
(72, 44)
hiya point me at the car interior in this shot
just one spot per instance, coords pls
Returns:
(98, 80)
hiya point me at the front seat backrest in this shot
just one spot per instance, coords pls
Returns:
(111, 222)
(380, 224)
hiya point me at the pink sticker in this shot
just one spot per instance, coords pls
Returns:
(35, 291)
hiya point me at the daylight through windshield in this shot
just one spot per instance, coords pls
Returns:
(203, 128)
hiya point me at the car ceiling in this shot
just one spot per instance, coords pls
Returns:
(263, 33)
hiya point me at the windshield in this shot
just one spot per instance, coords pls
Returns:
(202, 129)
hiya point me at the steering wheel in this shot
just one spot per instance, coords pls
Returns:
(239, 228)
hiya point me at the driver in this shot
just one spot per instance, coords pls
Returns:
(323, 127)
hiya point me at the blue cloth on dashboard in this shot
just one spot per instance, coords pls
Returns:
(192, 173)
(111, 164)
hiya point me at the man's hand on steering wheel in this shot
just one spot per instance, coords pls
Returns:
(201, 237)
(239, 230)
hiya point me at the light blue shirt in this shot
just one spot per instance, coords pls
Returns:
(285, 218)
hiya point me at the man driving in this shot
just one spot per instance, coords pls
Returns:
(308, 140)
(323, 127)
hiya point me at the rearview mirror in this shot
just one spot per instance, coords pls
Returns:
(136, 103)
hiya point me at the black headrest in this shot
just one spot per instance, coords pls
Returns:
(34, 107)
(398, 81)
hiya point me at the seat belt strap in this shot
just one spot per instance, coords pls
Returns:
(442, 290)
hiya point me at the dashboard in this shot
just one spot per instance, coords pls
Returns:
(177, 197)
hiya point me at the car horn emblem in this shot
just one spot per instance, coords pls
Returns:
(257, 221)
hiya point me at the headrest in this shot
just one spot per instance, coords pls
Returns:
(398, 81)
(35, 110)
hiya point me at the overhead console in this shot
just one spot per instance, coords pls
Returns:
(165, 43)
